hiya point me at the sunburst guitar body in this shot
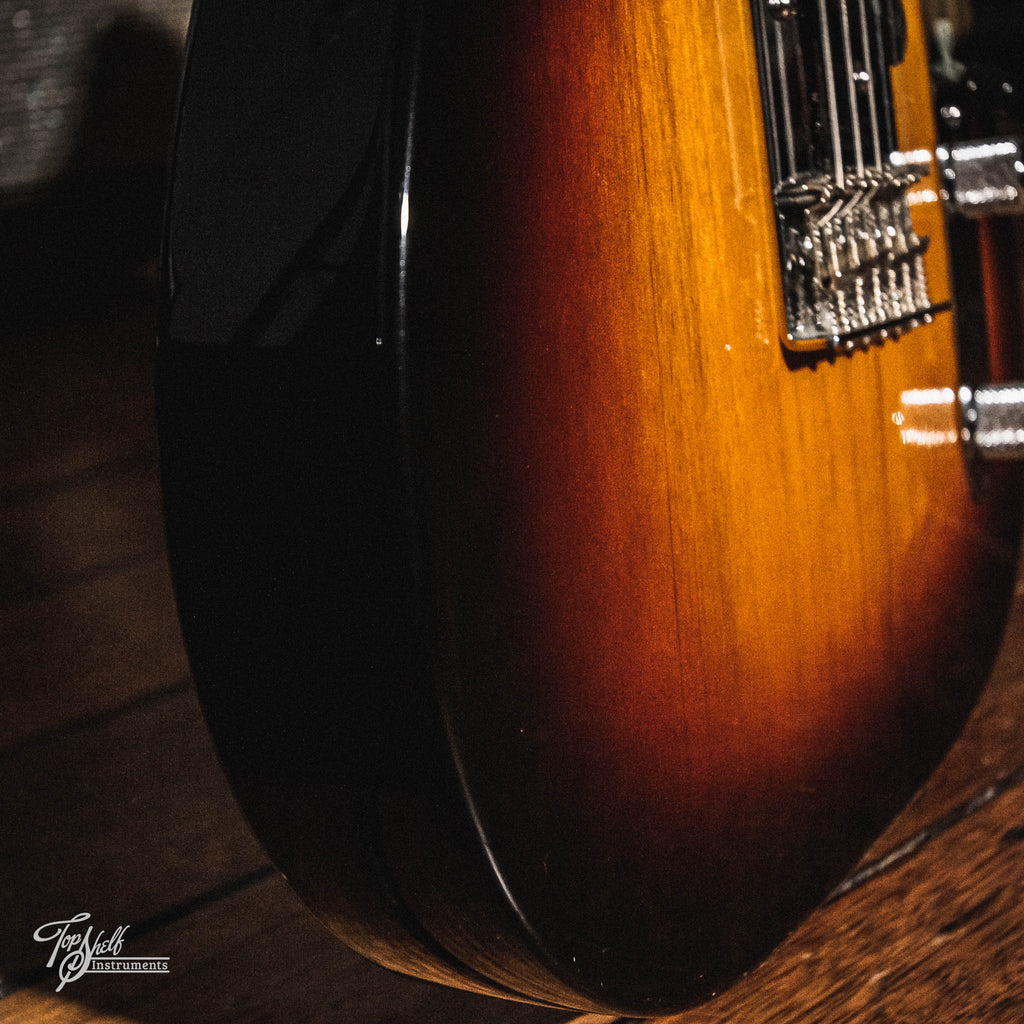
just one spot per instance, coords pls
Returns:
(574, 543)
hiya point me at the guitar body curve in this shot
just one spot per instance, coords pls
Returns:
(565, 636)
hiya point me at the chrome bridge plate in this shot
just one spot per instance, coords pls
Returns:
(852, 266)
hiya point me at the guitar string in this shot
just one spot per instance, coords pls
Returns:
(830, 93)
(869, 70)
(787, 113)
(851, 87)
(889, 140)
(772, 131)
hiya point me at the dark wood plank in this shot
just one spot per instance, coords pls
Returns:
(124, 818)
(56, 535)
(75, 397)
(88, 648)
(87, 618)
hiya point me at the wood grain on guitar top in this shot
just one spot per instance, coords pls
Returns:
(706, 617)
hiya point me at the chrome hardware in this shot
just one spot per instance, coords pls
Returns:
(983, 179)
(852, 265)
(992, 420)
(987, 420)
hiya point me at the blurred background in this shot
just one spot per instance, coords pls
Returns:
(87, 98)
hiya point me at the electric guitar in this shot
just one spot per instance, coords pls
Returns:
(578, 547)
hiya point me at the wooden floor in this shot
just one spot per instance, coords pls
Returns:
(112, 803)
